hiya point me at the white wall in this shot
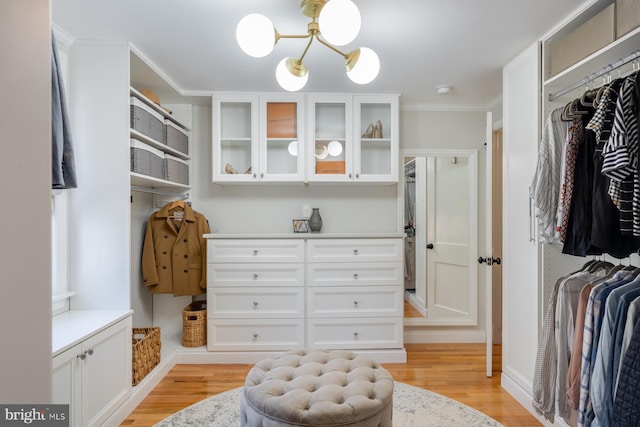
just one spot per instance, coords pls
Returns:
(25, 171)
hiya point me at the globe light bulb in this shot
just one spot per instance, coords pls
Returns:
(256, 35)
(366, 67)
(339, 22)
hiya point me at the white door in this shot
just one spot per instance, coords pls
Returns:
(488, 274)
(451, 240)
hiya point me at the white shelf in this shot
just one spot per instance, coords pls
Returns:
(151, 182)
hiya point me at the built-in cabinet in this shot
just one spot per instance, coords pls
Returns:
(305, 138)
(92, 373)
(531, 268)
(276, 293)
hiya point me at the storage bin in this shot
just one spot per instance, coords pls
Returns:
(146, 120)
(145, 353)
(589, 37)
(194, 324)
(627, 16)
(147, 160)
(176, 170)
(176, 137)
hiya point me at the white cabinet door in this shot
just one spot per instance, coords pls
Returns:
(67, 383)
(521, 81)
(106, 372)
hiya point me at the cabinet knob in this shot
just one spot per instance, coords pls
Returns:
(261, 175)
(255, 276)
(349, 175)
(255, 336)
(255, 303)
(355, 333)
(355, 276)
(89, 352)
(255, 175)
(82, 356)
(357, 175)
(255, 252)
(355, 303)
(355, 252)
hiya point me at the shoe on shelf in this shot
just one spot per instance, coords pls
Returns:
(230, 169)
(369, 132)
(377, 132)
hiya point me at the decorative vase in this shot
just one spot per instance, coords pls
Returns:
(315, 220)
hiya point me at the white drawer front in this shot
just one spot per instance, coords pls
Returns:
(354, 274)
(267, 250)
(355, 333)
(255, 275)
(254, 335)
(354, 250)
(252, 303)
(335, 301)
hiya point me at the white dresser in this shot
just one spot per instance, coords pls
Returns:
(268, 294)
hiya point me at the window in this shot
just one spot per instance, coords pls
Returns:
(60, 250)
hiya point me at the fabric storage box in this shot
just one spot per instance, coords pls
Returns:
(176, 137)
(589, 37)
(194, 324)
(145, 352)
(627, 16)
(147, 160)
(176, 170)
(146, 120)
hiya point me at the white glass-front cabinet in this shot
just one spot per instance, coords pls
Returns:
(330, 130)
(305, 138)
(355, 138)
(375, 138)
(256, 138)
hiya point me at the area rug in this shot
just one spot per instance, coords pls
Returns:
(412, 407)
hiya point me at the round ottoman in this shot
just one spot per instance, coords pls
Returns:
(317, 388)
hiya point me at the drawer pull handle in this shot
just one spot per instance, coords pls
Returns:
(255, 276)
(255, 336)
(255, 303)
(355, 303)
(355, 334)
(355, 276)
(255, 252)
(355, 252)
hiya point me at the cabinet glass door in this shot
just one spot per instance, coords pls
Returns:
(281, 146)
(234, 154)
(331, 144)
(375, 157)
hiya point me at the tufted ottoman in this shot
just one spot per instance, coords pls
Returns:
(317, 388)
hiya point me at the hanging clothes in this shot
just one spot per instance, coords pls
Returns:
(63, 170)
(174, 252)
(626, 407)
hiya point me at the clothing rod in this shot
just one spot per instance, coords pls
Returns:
(604, 70)
(160, 192)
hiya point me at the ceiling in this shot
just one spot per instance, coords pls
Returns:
(421, 44)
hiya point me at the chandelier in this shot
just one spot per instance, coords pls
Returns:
(333, 23)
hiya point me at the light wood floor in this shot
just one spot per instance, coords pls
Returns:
(453, 370)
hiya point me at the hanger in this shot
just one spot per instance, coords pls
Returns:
(176, 204)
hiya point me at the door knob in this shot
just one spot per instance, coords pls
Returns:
(490, 260)
(429, 245)
(481, 260)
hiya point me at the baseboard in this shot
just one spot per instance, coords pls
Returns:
(525, 398)
(229, 357)
(141, 391)
(443, 337)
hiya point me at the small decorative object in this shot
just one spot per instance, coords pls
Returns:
(315, 221)
(229, 169)
(377, 131)
(300, 225)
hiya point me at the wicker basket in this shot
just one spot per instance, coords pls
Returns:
(146, 121)
(627, 16)
(146, 352)
(194, 324)
(176, 137)
(176, 170)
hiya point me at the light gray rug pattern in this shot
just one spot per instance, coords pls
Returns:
(412, 407)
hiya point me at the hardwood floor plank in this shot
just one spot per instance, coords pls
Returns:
(453, 370)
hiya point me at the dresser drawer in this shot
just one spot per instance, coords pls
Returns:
(355, 274)
(253, 303)
(255, 274)
(347, 333)
(354, 250)
(334, 301)
(255, 250)
(255, 335)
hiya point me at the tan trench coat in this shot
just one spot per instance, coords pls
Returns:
(174, 258)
